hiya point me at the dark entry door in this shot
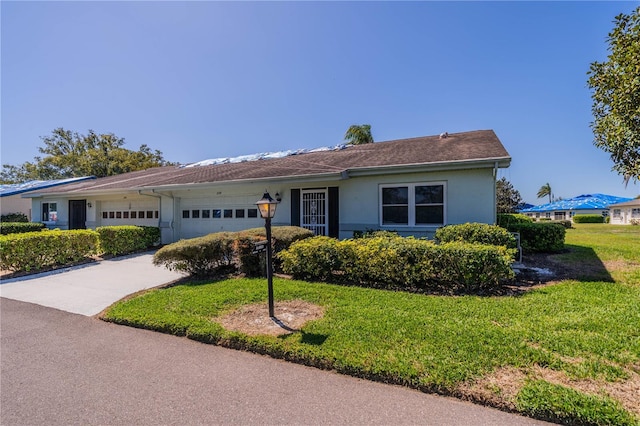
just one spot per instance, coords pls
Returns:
(77, 214)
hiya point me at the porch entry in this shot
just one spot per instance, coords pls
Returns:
(77, 214)
(316, 209)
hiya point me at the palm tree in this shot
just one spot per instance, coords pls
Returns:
(545, 190)
(358, 134)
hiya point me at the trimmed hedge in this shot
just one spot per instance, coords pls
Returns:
(588, 218)
(200, 257)
(124, 239)
(38, 250)
(7, 228)
(209, 255)
(539, 237)
(505, 219)
(14, 217)
(401, 263)
(479, 233)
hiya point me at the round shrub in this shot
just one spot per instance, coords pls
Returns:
(479, 233)
(505, 219)
(311, 259)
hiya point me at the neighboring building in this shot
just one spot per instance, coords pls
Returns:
(12, 195)
(627, 213)
(566, 209)
(412, 186)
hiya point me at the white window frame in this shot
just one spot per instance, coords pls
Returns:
(411, 188)
(635, 213)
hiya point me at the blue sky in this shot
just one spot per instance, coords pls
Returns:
(200, 80)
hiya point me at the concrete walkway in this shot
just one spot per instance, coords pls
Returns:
(90, 288)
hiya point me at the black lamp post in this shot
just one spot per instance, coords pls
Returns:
(267, 207)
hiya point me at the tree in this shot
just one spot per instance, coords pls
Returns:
(69, 154)
(358, 134)
(508, 199)
(545, 190)
(615, 85)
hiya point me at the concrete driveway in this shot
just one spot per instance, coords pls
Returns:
(89, 289)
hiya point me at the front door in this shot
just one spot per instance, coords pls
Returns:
(77, 214)
(314, 211)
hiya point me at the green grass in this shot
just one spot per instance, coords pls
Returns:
(588, 330)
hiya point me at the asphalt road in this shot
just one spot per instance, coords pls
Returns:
(59, 368)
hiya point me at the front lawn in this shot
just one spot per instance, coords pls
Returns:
(569, 351)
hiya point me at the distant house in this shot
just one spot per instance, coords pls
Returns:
(12, 198)
(566, 209)
(626, 213)
(412, 186)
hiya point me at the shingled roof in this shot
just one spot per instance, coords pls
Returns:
(424, 152)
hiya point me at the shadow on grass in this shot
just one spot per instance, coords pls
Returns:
(573, 263)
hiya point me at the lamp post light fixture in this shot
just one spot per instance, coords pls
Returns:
(267, 207)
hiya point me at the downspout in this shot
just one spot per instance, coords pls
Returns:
(495, 193)
(173, 208)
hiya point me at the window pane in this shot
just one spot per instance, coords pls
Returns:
(252, 213)
(395, 214)
(239, 213)
(112, 215)
(53, 207)
(118, 215)
(125, 215)
(195, 214)
(104, 215)
(228, 213)
(141, 214)
(429, 215)
(206, 214)
(185, 214)
(134, 215)
(433, 194)
(399, 195)
(217, 213)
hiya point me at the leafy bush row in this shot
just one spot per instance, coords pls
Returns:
(124, 239)
(479, 233)
(539, 237)
(213, 253)
(400, 263)
(20, 227)
(588, 218)
(37, 250)
(506, 219)
(14, 217)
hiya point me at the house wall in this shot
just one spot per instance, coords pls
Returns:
(626, 215)
(469, 197)
(15, 204)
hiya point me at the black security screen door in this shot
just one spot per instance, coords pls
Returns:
(77, 214)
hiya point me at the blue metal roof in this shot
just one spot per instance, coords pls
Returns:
(34, 185)
(581, 202)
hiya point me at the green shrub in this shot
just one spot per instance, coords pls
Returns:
(20, 227)
(35, 251)
(607, 219)
(250, 264)
(505, 219)
(544, 219)
(400, 263)
(588, 218)
(479, 233)
(566, 223)
(14, 217)
(540, 237)
(125, 239)
(313, 259)
(282, 236)
(201, 257)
